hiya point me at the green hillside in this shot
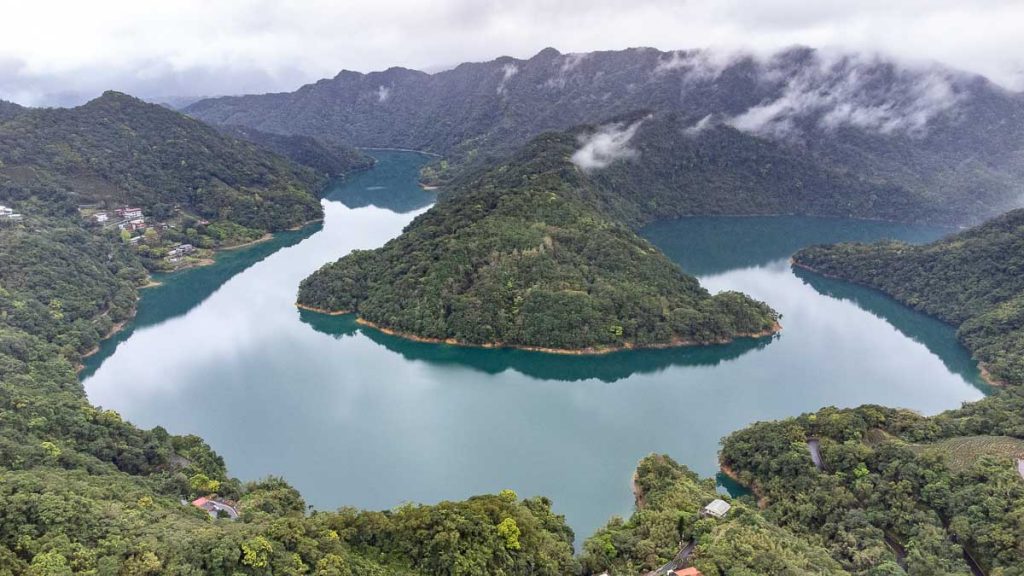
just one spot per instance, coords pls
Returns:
(522, 254)
(327, 158)
(82, 491)
(898, 492)
(117, 150)
(668, 518)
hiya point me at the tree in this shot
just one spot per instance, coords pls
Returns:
(509, 530)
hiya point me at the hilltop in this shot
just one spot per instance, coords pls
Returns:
(118, 150)
(327, 158)
(523, 254)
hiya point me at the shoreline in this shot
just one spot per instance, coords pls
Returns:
(424, 152)
(983, 372)
(298, 227)
(266, 236)
(117, 327)
(589, 351)
(323, 311)
(762, 502)
(954, 227)
(638, 493)
(150, 283)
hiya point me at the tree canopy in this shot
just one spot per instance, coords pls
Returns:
(523, 254)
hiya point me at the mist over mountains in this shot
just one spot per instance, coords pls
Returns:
(928, 130)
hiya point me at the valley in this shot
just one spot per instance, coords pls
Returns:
(630, 312)
(559, 426)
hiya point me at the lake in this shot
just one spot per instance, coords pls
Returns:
(354, 417)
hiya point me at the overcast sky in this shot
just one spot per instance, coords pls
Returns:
(64, 52)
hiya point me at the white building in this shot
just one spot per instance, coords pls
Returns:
(7, 213)
(101, 217)
(717, 508)
(129, 213)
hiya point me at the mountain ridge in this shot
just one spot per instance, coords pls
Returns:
(937, 132)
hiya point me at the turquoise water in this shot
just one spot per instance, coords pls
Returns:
(351, 416)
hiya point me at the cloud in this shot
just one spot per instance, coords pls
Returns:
(606, 145)
(569, 62)
(507, 72)
(196, 47)
(383, 93)
(701, 125)
(844, 90)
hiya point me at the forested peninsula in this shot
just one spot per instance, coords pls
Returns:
(973, 280)
(889, 491)
(523, 254)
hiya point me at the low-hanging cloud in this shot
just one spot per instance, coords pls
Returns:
(700, 126)
(568, 63)
(606, 145)
(197, 47)
(841, 91)
(507, 72)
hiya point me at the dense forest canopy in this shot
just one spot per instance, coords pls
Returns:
(117, 150)
(948, 138)
(973, 280)
(668, 519)
(82, 491)
(522, 254)
(329, 159)
(896, 492)
(671, 172)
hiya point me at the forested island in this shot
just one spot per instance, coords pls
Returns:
(522, 254)
(973, 280)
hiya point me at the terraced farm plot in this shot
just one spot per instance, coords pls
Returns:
(962, 452)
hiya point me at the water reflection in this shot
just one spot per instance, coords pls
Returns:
(354, 417)
(179, 292)
(938, 337)
(605, 367)
(387, 185)
(716, 244)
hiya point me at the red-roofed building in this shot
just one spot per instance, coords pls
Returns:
(691, 571)
(215, 507)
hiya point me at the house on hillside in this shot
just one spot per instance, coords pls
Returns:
(8, 214)
(133, 224)
(101, 217)
(180, 250)
(215, 506)
(128, 213)
(691, 571)
(717, 508)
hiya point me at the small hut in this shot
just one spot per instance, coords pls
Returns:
(717, 508)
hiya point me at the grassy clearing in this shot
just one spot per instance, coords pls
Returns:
(961, 453)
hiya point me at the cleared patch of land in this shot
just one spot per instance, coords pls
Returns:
(961, 453)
